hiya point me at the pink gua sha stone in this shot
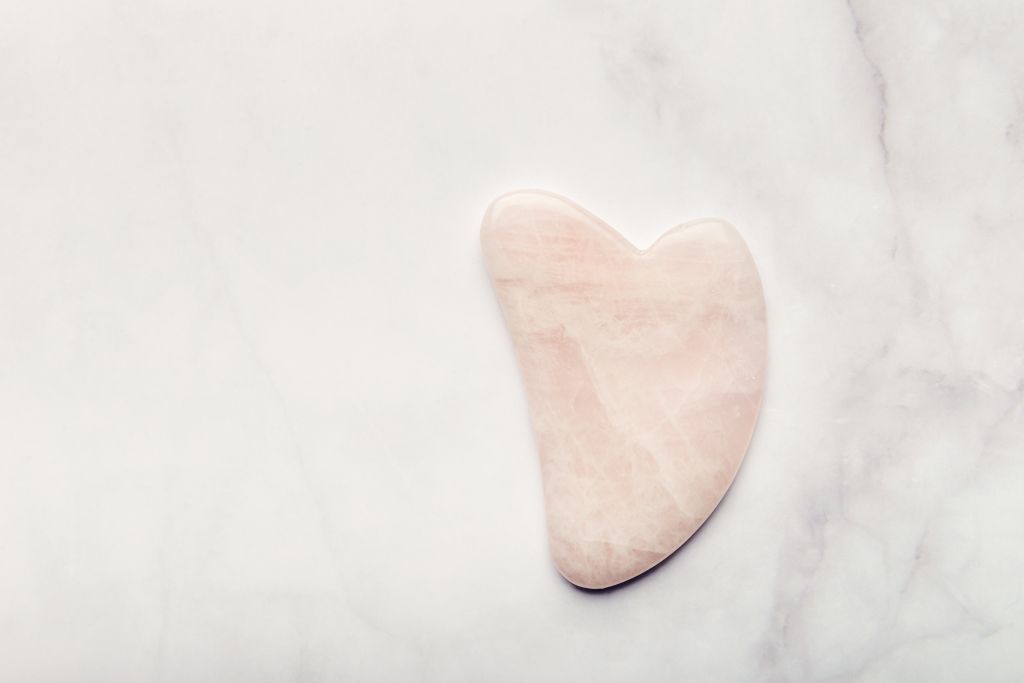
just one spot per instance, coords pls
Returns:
(643, 371)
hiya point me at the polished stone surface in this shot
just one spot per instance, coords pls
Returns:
(644, 372)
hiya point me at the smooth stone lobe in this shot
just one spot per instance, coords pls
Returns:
(643, 370)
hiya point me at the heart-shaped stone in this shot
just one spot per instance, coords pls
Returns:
(643, 371)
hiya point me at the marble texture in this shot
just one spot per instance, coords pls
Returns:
(644, 372)
(259, 415)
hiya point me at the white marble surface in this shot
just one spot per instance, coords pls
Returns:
(260, 418)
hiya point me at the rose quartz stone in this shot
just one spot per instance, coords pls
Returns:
(643, 372)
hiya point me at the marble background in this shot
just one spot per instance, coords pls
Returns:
(259, 416)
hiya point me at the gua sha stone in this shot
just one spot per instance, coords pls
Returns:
(643, 371)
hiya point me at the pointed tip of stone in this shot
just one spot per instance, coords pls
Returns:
(599, 566)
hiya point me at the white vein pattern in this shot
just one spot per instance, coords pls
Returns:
(259, 415)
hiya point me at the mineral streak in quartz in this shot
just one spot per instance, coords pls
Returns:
(643, 372)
